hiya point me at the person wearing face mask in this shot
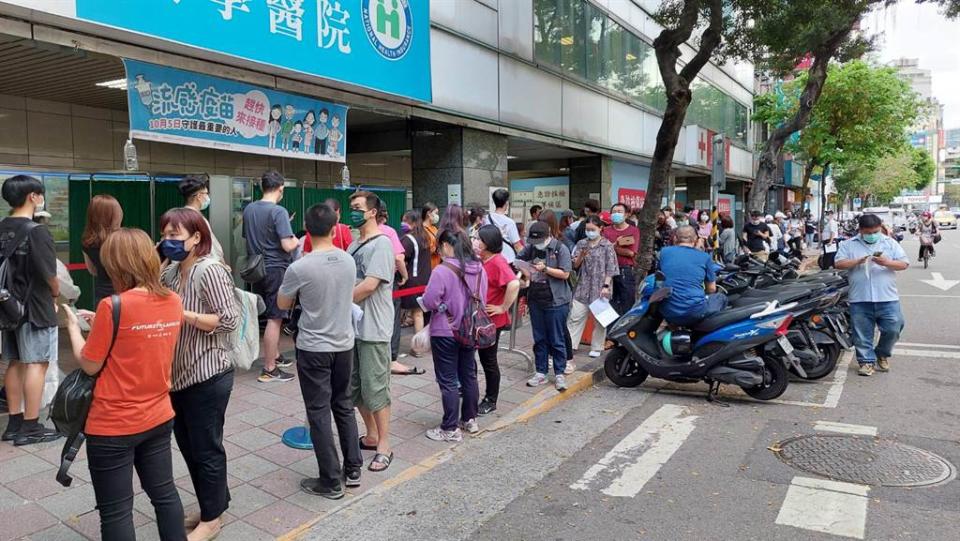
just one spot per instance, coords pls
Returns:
(873, 260)
(596, 260)
(704, 231)
(195, 191)
(416, 249)
(625, 239)
(202, 369)
(755, 235)
(430, 216)
(548, 299)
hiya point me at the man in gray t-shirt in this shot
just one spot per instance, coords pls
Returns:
(322, 280)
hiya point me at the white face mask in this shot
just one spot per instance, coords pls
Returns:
(542, 245)
(593, 235)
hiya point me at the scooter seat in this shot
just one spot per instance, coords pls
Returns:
(783, 296)
(728, 316)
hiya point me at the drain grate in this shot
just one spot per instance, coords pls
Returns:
(865, 461)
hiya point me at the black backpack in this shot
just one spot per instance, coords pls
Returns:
(71, 404)
(13, 309)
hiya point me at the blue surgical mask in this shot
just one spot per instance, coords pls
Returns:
(593, 234)
(205, 204)
(174, 249)
(871, 238)
(618, 217)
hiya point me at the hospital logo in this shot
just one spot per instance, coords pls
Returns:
(389, 26)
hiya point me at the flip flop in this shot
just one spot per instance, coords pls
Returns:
(382, 459)
(365, 447)
(414, 371)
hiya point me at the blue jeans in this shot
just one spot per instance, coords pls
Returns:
(549, 324)
(714, 303)
(456, 368)
(865, 317)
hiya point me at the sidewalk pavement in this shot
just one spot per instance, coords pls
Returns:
(264, 474)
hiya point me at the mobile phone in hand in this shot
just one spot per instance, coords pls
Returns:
(877, 254)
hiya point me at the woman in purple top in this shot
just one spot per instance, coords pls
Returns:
(447, 296)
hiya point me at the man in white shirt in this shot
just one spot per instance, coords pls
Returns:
(506, 225)
(775, 234)
(829, 237)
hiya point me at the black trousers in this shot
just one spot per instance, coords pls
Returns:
(325, 384)
(395, 338)
(112, 459)
(624, 293)
(198, 428)
(491, 369)
(796, 249)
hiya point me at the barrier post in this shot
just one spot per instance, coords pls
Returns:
(512, 347)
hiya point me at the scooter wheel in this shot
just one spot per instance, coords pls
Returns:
(776, 378)
(632, 375)
(831, 354)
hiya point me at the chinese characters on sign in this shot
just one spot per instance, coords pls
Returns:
(177, 106)
(632, 198)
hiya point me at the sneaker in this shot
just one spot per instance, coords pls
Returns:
(10, 433)
(276, 376)
(313, 487)
(537, 380)
(595, 354)
(36, 434)
(471, 426)
(883, 364)
(866, 369)
(439, 434)
(351, 478)
(570, 368)
(486, 407)
(284, 362)
(561, 383)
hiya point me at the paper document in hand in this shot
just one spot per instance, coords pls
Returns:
(357, 316)
(603, 312)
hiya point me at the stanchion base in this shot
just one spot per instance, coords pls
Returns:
(297, 437)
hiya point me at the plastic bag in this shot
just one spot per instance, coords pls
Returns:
(420, 343)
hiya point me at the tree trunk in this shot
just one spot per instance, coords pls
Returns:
(807, 173)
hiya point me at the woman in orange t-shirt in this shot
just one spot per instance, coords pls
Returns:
(131, 418)
(430, 215)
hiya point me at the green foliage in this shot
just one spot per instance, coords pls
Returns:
(923, 165)
(881, 180)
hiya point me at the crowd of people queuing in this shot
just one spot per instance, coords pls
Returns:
(340, 290)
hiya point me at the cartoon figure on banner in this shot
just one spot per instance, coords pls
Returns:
(144, 89)
(320, 147)
(273, 131)
(333, 138)
(309, 120)
(286, 128)
(297, 136)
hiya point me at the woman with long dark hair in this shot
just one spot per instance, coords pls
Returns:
(550, 218)
(448, 293)
(454, 219)
(416, 247)
(104, 216)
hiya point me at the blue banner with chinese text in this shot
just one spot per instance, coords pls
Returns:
(182, 107)
(379, 44)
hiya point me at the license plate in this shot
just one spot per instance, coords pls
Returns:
(785, 345)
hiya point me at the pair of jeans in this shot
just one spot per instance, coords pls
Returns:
(867, 316)
(454, 363)
(714, 303)
(624, 290)
(112, 459)
(325, 385)
(491, 368)
(198, 427)
(549, 324)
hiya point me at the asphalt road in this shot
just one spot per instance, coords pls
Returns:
(658, 463)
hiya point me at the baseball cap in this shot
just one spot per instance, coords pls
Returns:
(605, 217)
(538, 231)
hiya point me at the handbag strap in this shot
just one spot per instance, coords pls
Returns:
(115, 305)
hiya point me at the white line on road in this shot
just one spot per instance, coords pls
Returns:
(824, 506)
(919, 345)
(927, 353)
(833, 395)
(844, 428)
(940, 282)
(639, 456)
(902, 295)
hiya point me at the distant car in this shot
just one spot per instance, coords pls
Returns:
(945, 219)
(955, 211)
(894, 218)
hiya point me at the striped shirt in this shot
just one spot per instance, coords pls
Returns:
(201, 355)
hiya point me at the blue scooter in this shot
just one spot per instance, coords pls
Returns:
(744, 346)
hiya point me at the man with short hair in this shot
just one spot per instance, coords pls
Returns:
(506, 225)
(830, 236)
(755, 235)
(323, 280)
(625, 239)
(691, 276)
(590, 207)
(31, 258)
(195, 191)
(534, 216)
(342, 238)
(370, 380)
(266, 228)
(873, 260)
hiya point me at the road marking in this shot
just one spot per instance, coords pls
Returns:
(927, 353)
(824, 506)
(907, 295)
(844, 428)
(919, 345)
(940, 282)
(833, 394)
(639, 456)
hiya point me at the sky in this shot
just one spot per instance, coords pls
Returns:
(919, 31)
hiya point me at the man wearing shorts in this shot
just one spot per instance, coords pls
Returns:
(31, 259)
(373, 292)
(266, 228)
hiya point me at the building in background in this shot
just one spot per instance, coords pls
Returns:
(927, 133)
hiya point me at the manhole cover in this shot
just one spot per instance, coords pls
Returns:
(865, 461)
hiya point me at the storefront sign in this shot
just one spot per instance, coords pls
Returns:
(176, 106)
(549, 192)
(633, 199)
(699, 147)
(379, 44)
(724, 205)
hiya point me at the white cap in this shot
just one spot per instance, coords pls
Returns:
(780, 215)
(768, 218)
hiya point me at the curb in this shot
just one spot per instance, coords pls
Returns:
(540, 403)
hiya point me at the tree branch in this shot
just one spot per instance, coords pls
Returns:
(709, 42)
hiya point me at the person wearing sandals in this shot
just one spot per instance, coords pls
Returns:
(447, 296)
(502, 289)
(325, 343)
(202, 369)
(416, 248)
